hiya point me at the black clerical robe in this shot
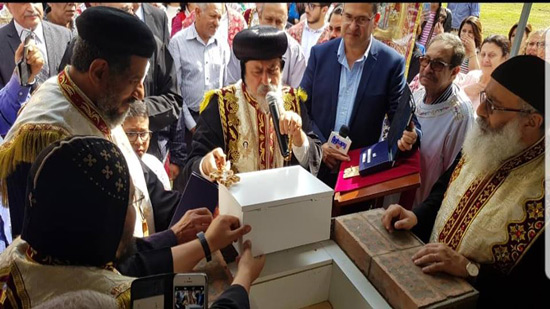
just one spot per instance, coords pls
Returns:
(225, 122)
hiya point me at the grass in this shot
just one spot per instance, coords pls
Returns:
(497, 18)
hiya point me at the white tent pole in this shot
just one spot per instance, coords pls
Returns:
(521, 28)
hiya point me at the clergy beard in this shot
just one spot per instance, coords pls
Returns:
(264, 89)
(109, 112)
(486, 148)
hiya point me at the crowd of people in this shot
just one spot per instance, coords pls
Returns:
(109, 108)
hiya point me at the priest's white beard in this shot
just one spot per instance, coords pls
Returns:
(486, 149)
(264, 89)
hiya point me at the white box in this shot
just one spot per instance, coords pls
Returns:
(309, 275)
(286, 207)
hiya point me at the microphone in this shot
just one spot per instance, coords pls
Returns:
(273, 100)
(340, 140)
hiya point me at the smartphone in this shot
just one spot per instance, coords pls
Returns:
(190, 291)
(23, 68)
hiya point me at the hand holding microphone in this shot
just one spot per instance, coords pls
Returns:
(336, 148)
(286, 123)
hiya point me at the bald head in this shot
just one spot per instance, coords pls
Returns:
(274, 14)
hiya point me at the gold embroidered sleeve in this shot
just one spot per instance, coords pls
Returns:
(24, 147)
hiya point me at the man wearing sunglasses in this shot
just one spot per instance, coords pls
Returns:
(484, 217)
(443, 109)
(354, 81)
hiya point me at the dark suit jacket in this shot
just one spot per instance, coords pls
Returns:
(56, 39)
(157, 21)
(380, 88)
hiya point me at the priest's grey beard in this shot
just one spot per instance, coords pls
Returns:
(486, 148)
(109, 111)
(264, 89)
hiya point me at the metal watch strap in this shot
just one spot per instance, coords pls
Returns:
(205, 246)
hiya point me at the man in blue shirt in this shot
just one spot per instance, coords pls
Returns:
(460, 11)
(354, 81)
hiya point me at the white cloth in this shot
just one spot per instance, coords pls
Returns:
(444, 126)
(310, 38)
(62, 113)
(293, 71)
(156, 166)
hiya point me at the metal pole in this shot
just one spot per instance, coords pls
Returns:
(520, 30)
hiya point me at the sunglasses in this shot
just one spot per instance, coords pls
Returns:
(436, 65)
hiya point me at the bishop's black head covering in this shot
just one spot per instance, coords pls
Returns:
(260, 43)
(117, 31)
(78, 193)
(524, 76)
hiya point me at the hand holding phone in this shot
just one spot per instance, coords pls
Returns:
(29, 61)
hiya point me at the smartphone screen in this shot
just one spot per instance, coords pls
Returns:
(189, 297)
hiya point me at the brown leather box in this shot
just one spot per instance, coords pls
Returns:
(385, 259)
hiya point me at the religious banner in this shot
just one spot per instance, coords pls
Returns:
(397, 27)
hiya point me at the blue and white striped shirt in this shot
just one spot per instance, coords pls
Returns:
(200, 67)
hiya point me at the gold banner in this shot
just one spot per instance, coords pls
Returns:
(397, 27)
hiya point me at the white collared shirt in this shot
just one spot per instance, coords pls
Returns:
(310, 38)
(200, 66)
(39, 37)
(140, 14)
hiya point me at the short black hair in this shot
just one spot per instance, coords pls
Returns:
(84, 53)
(338, 10)
(138, 109)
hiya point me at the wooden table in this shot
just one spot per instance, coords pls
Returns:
(407, 185)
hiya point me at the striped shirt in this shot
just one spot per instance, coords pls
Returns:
(200, 67)
(465, 66)
(452, 88)
(427, 28)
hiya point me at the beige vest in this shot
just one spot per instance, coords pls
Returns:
(494, 219)
(29, 283)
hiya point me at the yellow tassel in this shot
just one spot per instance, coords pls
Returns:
(24, 147)
(207, 96)
(301, 94)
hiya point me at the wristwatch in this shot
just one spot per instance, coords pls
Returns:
(472, 269)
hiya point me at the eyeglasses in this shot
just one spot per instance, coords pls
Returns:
(490, 106)
(312, 6)
(436, 65)
(359, 20)
(143, 136)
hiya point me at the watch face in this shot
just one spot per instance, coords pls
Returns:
(472, 269)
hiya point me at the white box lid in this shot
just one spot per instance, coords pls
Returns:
(277, 186)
